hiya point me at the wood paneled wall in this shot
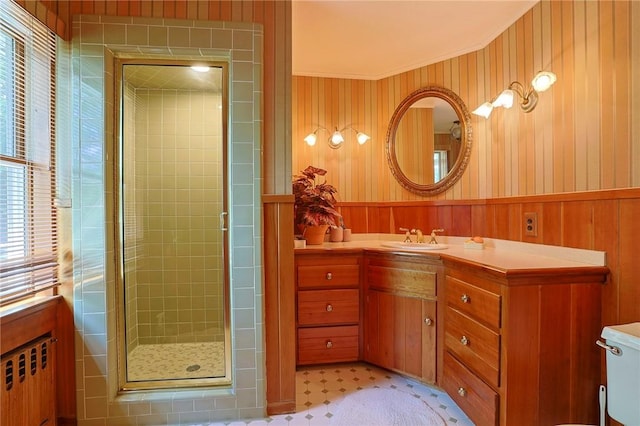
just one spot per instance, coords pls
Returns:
(358, 171)
(583, 135)
(574, 160)
(593, 220)
(280, 307)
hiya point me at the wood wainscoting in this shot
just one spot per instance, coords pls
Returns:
(279, 304)
(594, 220)
(598, 220)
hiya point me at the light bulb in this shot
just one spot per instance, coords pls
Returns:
(543, 80)
(362, 138)
(484, 110)
(505, 99)
(200, 68)
(336, 139)
(310, 139)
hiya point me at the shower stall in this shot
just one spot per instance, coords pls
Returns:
(173, 319)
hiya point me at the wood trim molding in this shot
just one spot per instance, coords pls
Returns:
(612, 194)
(27, 322)
(411, 203)
(55, 15)
(279, 304)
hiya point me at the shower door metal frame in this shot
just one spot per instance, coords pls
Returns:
(120, 308)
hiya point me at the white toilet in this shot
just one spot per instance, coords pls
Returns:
(623, 372)
(622, 395)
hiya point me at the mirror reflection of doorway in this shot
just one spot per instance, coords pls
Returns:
(174, 320)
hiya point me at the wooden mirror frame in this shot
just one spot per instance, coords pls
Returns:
(466, 137)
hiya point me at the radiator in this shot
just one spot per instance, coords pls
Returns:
(28, 395)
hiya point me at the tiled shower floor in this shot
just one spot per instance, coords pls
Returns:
(176, 361)
(319, 391)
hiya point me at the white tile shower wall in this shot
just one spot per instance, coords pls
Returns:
(177, 181)
(96, 40)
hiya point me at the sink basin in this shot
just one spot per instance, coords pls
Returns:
(415, 246)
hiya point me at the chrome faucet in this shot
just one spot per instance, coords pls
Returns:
(433, 236)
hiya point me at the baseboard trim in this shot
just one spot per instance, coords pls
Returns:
(281, 407)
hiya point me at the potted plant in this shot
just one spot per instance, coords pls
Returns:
(314, 205)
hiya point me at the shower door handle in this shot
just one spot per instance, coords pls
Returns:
(223, 224)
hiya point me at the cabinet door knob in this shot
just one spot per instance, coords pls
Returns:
(464, 340)
(329, 344)
(329, 307)
(462, 391)
(428, 321)
(329, 275)
(465, 298)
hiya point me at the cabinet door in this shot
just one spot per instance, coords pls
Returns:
(428, 323)
(416, 337)
(379, 329)
(397, 335)
(408, 322)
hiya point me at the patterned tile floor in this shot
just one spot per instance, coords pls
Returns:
(176, 361)
(320, 390)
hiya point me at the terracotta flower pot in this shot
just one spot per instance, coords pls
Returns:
(315, 234)
(336, 234)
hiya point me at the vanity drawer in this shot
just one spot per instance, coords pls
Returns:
(317, 307)
(472, 395)
(318, 345)
(474, 301)
(406, 282)
(328, 276)
(477, 346)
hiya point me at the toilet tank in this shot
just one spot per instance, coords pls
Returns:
(623, 372)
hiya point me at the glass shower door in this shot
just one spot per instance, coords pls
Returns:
(174, 256)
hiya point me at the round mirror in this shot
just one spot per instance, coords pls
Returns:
(429, 140)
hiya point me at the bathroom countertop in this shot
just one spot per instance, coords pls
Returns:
(502, 256)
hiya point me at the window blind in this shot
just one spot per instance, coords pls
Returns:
(28, 228)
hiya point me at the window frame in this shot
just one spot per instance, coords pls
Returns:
(33, 57)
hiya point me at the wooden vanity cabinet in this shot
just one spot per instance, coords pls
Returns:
(400, 313)
(328, 308)
(519, 346)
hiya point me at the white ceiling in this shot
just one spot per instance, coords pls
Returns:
(373, 39)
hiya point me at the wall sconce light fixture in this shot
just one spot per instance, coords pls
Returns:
(528, 96)
(455, 130)
(336, 139)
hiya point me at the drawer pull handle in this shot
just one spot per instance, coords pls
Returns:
(465, 298)
(464, 340)
(428, 321)
(329, 344)
(329, 276)
(462, 392)
(329, 307)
